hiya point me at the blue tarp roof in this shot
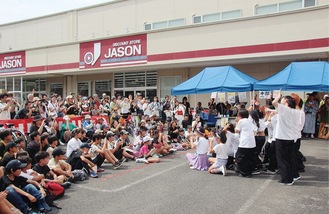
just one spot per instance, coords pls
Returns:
(298, 76)
(216, 79)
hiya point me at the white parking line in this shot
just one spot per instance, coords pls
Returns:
(131, 184)
(254, 197)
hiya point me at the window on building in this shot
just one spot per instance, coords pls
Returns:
(266, 9)
(160, 25)
(176, 22)
(56, 88)
(84, 88)
(231, 14)
(291, 5)
(211, 17)
(309, 3)
(167, 83)
(102, 86)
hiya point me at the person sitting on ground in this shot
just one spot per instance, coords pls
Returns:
(5, 137)
(181, 140)
(34, 146)
(53, 142)
(42, 167)
(199, 160)
(29, 173)
(10, 153)
(5, 205)
(158, 143)
(26, 188)
(221, 151)
(173, 132)
(58, 165)
(74, 143)
(44, 141)
(89, 126)
(118, 147)
(99, 154)
(189, 135)
(20, 144)
(186, 121)
(80, 159)
(146, 153)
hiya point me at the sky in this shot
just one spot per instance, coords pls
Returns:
(16, 10)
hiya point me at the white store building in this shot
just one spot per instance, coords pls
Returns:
(129, 46)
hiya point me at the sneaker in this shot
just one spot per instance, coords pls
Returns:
(272, 172)
(286, 183)
(312, 136)
(117, 165)
(99, 169)
(61, 143)
(256, 172)
(192, 167)
(123, 159)
(93, 175)
(172, 150)
(298, 178)
(224, 170)
(160, 155)
(66, 184)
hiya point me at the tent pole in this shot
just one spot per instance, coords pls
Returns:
(253, 102)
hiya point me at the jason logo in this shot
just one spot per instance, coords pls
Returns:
(113, 52)
(91, 58)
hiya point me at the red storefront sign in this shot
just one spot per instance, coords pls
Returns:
(113, 52)
(12, 63)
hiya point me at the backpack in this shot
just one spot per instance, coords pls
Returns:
(55, 190)
(80, 174)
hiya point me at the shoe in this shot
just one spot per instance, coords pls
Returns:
(172, 150)
(160, 155)
(224, 170)
(61, 143)
(117, 165)
(100, 169)
(286, 183)
(271, 172)
(298, 178)
(256, 172)
(245, 176)
(93, 175)
(66, 184)
(123, 159)
(192, 167)
(42, 211)
(312, 136)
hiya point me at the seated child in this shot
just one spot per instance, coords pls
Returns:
(9, 153)
(181, 141)
(58, 165)
(146, 153)
(199, 160)
(221, 151)
(53, 142)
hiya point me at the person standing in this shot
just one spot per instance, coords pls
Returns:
(285, 135)
(5, 105)
(311, 109)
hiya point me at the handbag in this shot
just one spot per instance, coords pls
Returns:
(324, 131)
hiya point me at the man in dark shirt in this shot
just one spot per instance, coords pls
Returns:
(34, 146)
(25, 112)
(9, 155)
(38, 125)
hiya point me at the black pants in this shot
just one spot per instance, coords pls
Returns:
(273, 165)
(99, 160)
(299, 156)
(285, 155)
(245, 160)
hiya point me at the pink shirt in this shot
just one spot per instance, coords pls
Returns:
(144, 150)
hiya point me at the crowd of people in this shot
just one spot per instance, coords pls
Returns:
(138, 130)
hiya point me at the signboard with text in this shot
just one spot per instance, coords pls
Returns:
(12, 63)
(113, 52)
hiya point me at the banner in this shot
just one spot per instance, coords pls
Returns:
(242, 97)
(231, 97)
(213, 95)
(264, 94)
(113, 52)
(12, 63)
(221, 98)
(24, 125)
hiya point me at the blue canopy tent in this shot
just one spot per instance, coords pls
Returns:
(216, 79)
(298, 76)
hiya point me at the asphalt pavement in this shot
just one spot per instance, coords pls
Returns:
(172, 187)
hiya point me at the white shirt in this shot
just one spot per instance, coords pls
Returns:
(288, 123)
(262, 125)
(221, 151)
(271, 126)
(4, 114)
(93, 151)
(232, 143)
(301, 123)
(72, 145)
(27, 175)
(247, 130)
(202, 146)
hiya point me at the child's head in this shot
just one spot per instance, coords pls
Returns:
(230, 127)
(58, 154)
(221, 137)
(21, 154)
(84, 148)
(44, 138)
(189, 128)
(243, 113)
(14, 167)
(27, 160)
(20, 143)
(200, 132)
(5, 135)
(123, 134)
(11, 148)
(110, 136)
(186, 117)
(147, 140)
(35, 136)
(97, 138)
(42, 158)
(53, 140)
(181, 131)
